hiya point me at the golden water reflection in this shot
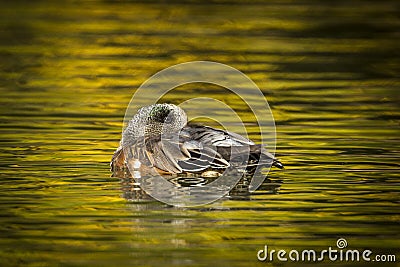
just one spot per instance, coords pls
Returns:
(68, 71)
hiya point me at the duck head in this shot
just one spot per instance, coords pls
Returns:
(154, 120)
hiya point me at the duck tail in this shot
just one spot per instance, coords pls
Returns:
(275, 161)
(277, 164)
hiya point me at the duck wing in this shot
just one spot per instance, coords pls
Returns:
(171, 153)
(229, 144)
(194, 149)
(214, 137)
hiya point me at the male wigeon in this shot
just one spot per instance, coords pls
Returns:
(159, 136)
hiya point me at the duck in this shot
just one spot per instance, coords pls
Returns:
(159, 136)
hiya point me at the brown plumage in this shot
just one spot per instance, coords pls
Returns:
(158, 136)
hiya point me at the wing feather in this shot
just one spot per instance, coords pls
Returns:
(197, 148)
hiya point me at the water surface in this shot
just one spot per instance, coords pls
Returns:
(328, 70)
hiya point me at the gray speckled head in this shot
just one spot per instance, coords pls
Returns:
(154, 120)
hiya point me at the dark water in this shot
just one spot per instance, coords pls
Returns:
(329, 70)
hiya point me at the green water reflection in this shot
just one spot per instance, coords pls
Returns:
(329, 70)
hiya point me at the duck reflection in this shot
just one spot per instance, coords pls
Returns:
(132, 191)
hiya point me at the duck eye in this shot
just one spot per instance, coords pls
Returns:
(168, 119)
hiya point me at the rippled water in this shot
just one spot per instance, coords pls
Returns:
(330, 72)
